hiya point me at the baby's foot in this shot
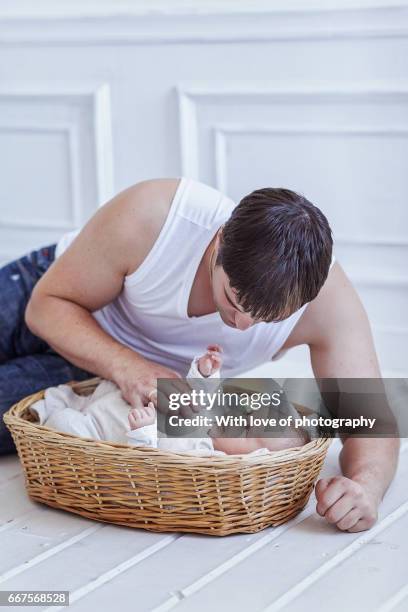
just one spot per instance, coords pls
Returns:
(140, 417)
(209, 363)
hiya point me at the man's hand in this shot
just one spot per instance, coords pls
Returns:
(137, 378)
(346, 503)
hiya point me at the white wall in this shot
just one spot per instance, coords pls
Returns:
(95, 97)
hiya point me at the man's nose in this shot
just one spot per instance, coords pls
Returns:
(243, 321)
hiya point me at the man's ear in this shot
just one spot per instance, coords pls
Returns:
(219, 236)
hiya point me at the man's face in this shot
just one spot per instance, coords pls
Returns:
(226, 302)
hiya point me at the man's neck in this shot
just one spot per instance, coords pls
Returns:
(201, 300)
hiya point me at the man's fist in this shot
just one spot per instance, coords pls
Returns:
(346, 503)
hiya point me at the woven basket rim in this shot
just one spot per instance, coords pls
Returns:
(15, 417)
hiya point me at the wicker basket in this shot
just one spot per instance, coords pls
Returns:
(157, 490)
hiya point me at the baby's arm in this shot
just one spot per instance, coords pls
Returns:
(207, 365)
(210, 363)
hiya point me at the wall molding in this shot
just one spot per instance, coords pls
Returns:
(113, 24)
(188, 126)
(222, 131)
(93, 94)
(125, 8)
(70, 132)
(282, 91)
(391, 282)
(191, 95)
(103, 142)
(387, 242)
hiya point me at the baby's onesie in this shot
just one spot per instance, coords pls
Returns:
(103, 415)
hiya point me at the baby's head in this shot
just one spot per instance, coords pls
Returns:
(241, 446)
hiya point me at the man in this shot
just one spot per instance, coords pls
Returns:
(167, 267)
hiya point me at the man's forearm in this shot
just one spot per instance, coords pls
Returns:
(75, 334)
(371, 462)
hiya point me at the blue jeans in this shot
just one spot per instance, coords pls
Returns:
(27, 363)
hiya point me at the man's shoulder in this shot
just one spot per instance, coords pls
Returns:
(141, 210)
(322, 312)
(148, 197)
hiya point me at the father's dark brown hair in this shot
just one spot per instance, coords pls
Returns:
(276, 250)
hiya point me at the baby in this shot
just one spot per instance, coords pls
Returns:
(105, 415)
(143, 427)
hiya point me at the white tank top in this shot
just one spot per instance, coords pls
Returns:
(150, 314)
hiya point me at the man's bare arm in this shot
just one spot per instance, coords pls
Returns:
(89, 275)
(336, 328)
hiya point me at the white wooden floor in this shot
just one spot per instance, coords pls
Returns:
(301, 566)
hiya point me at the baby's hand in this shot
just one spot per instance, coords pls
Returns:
(211, 361)
(140, 417)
